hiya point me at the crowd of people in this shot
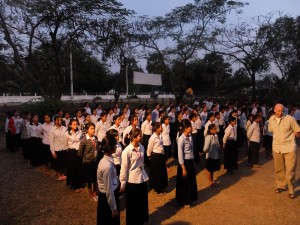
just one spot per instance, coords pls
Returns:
(106, 151)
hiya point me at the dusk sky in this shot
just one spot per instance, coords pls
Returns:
(255, 8)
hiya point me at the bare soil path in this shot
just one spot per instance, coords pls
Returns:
(29, 197)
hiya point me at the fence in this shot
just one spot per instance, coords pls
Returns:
(5, 99)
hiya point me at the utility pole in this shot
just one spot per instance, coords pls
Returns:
(71, 73)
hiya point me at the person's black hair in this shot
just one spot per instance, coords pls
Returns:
(192, 115)
(146, 115)
(256, 116)
(85, 115)
(115, 118)
(108, 143)
(69, 126)
(156, 125)
(210, 115)
(186, 124)
(112, 132)
(165, 117)
(210, 127)
(88, 125)
(134, 133)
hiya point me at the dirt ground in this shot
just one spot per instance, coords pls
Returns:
(29, 197)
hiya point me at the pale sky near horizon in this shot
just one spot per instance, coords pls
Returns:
(255, 8)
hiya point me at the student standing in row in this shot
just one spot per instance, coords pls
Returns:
(117, 155)
(58, 147)
(253, 135)
(25, 134)
(166, 130)
(35, 152)
(89, 151)
(186, 185)
(212, 150)
(134, 178)
(146, 133)
(133, 124)
(158, 167)
(46, 129)
(101, 127)
(268, 139)
(107, 179)
(74, 162)
(230, 146)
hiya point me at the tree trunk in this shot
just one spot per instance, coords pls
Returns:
(253, 83)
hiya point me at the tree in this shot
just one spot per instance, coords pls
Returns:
(284, 47)
(27, 24)
(188, 29)
(246, 45)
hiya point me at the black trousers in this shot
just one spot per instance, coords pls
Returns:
(253, 154)
(104, 214)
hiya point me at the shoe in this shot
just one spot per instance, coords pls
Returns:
(214, 185)
(61, 178)
(279, 190)
(292, 196)
(256, 166)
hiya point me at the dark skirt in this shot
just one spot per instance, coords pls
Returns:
(168, 151)
(104, 214)
(221, 133)
(8, 139)
(46, 154)
(253, 154)
(145, 144)
(118, 169)
(137, 211)
(186, 187)
(74, 169)
(59, 164)
(25, 144)
(201, 139)
(212, 165)
(268, 142)
(35, 151)
(196, 147)
(231, 155)
(89, 172)
(158, 172)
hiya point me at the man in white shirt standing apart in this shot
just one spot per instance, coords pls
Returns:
(285, 129)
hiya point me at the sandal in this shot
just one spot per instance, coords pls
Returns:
(279, 190)
(292, 196)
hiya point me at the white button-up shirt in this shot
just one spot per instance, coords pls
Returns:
(203, 118)
(132, 168)
(101, 129)
(94, 119)
(146, 127)
(166, 135)
(107, 180)
(283, 133)
(117, 156)
(46, 128)
(35, 130)
(230, 134)
(73, 139)
(120, 131)
(57, 139)
(253, 134)
(155, 145)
